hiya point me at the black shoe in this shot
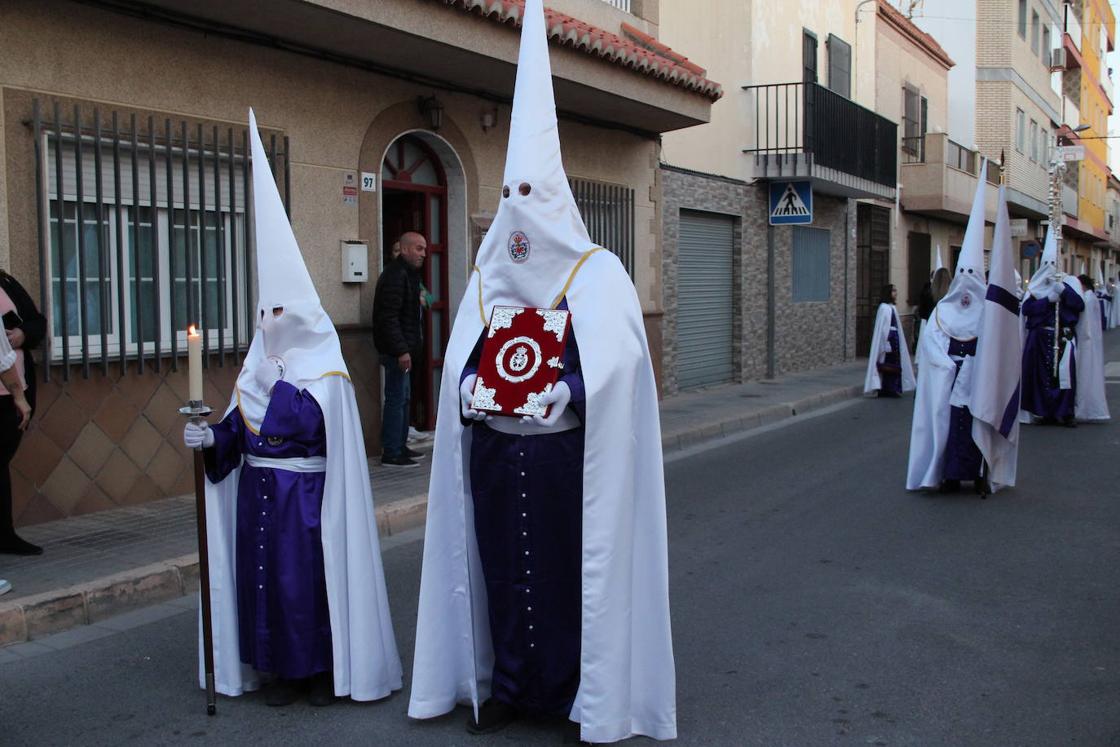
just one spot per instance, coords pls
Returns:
(950, 486)
(398, 461)
(282, 693)
(16, 545)
(1069, 423)
(493, 716)
(983, 487)
(322, 690)
(412, 454)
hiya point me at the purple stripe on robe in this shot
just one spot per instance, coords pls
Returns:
(1004, 298)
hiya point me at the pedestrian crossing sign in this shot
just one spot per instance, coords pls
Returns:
(791, 203)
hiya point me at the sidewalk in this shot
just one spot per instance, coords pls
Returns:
(100, 565)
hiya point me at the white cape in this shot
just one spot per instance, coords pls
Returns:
(1114, 316)
(627, 679)
(878, 351)
(366, 663)
(1091, 403)
(929, 430)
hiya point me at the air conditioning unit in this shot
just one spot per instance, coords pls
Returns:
(1058, 59)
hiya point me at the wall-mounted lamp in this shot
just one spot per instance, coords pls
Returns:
(432, 109)
(488, 118)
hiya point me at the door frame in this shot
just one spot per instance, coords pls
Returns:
(441, 248)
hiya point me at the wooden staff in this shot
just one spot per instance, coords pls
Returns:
(196, 411)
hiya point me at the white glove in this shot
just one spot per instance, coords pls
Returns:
(559, 397)
(1054, 292)
(466, 399)
(269, 372)
(886, 346)
(198, 435)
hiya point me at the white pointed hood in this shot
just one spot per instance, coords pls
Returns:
(536, 239)
(1100, 279)
(938, 264)
(1047, 272)
(958, 313)
(303, 338)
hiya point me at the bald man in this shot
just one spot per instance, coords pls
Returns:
(398, 336)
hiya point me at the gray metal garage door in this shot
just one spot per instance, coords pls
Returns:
(704, 305)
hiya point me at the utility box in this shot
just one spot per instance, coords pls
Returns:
(355, 261)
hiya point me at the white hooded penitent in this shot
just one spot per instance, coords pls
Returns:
(536, 253)
(956, 317)
(302, 339)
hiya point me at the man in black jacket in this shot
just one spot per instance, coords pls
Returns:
(398, 336)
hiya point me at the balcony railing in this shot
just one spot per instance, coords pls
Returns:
(1069, 200)
(1071, 115)
(1073, 28)
(623, 5)
(792, 118)
(914, 149)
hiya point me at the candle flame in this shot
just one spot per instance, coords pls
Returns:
(191, 331)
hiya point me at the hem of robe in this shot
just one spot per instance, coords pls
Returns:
(661, 730)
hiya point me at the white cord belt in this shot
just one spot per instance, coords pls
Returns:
(291, 464)
(515, 427)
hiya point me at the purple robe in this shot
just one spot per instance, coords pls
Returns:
(962, 457)
(528, 520)
(1041, 395)
(283, 618)
(890, 370)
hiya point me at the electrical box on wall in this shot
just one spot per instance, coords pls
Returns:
(355, 261)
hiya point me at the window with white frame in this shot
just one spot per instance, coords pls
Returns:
(131, 263)
(1020, 130)
(1034, 31)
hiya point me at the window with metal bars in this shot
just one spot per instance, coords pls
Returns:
(144, 230)
(608, 212)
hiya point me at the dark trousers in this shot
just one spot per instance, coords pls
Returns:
(10, 437)
(394, 414)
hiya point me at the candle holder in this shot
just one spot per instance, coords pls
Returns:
(196, 410)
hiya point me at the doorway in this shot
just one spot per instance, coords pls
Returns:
(873, 244)
(414, 198)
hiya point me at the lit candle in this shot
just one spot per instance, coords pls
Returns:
(194, 363)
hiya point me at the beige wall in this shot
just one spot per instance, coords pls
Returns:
(747, 42)
(114, 61)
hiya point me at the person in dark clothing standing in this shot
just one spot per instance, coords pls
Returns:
(25, 328)
(398, 336)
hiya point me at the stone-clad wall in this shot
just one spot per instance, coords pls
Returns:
(807, 335)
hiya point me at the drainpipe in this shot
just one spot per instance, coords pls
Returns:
(771, 353)
(855, 52)
(847, 219)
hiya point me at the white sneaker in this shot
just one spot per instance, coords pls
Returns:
(5, 586)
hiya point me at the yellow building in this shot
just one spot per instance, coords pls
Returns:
(1089, 35)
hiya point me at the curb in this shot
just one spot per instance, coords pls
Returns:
(39, 615)
(766, 416)
(55, 611)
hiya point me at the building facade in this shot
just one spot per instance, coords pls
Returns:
(123, 193)
(746, 299)
(937, 174)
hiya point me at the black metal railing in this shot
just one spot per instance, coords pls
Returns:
(608, 213)
(837, 132)
(144, 229)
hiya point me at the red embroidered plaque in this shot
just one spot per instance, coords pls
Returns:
(522, 358)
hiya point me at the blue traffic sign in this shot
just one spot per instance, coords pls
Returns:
(791, 203)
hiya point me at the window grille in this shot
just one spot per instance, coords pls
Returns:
(623, 5)
(608, 212)
(144, 230)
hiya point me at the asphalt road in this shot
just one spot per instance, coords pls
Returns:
(815, 601)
